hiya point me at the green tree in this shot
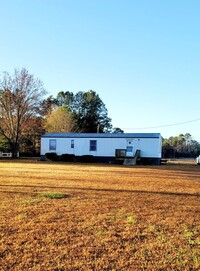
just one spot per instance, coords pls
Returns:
(20, 99)
(117, 130)
(91, 113)
(65, 99)
(87, 108)
(47, 106)
(180, 146)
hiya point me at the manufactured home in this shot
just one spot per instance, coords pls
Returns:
(128, 148)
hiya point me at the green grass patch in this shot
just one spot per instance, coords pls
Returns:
(22, 216)
(53, 195)
(131, 219)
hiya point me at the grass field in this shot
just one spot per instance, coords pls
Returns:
(99, 217)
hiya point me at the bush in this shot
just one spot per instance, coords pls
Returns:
(67, 157)
(51, 156)
(86, 159)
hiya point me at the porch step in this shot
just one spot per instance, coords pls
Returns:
(132, 161)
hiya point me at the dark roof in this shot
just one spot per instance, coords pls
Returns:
(101, 135)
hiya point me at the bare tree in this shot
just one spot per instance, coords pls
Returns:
(20, 98)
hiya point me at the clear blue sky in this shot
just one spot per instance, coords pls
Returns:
(141, 56)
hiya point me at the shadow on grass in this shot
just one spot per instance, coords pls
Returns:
(95, 190)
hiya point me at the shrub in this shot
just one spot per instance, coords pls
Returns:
(67, 157)
(51, 156)
(86, 159)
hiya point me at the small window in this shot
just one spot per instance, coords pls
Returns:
(52, 144)
(93, 145)
(72, 144)
(129, 149)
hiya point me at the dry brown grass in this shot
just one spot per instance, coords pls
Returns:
(107, 218)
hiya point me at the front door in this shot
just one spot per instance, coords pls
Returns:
(130, 148)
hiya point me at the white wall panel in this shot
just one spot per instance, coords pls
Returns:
(149, 147)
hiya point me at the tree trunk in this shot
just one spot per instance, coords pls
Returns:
(14, 150)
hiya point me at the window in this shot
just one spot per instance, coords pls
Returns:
(93, 145)
(72, 144)
(129, 149)
(52, 144)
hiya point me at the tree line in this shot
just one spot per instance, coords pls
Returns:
(25, 114)
(182, 145)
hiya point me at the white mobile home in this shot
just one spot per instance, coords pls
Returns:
(105, 147)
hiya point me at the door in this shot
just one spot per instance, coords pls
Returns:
(130, 151)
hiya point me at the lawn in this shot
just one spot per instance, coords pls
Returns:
(57, 216)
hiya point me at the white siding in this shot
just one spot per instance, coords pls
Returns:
(149, 147)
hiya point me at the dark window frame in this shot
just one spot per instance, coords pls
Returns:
(52, 144)
(93, 145)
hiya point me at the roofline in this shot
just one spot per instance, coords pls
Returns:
(102, 135)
